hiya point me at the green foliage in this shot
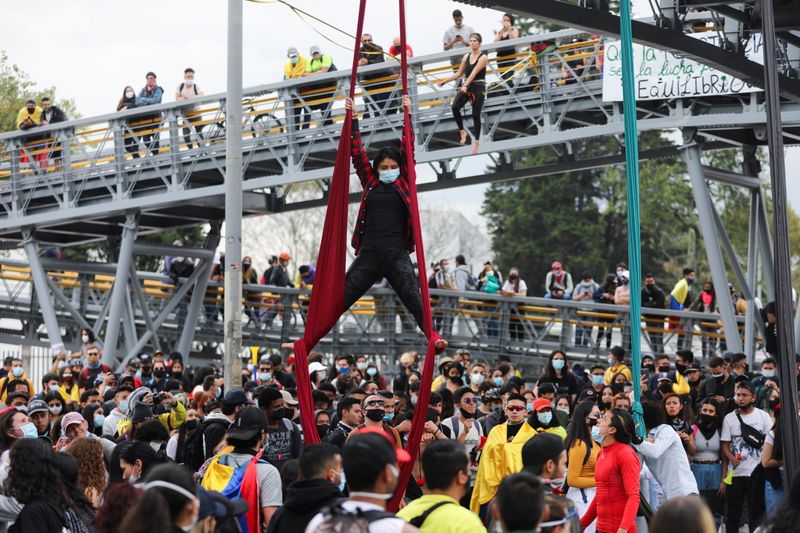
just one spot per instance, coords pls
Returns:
(580, 218)
(16, 88)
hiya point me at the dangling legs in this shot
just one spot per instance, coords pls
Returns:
(399, 271)
(459, 102)
(478, 94)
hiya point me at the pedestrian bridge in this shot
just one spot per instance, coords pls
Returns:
(527, 329)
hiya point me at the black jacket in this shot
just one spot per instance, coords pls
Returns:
(56, 115)
(304, 499)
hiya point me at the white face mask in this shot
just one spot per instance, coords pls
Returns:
(188, 81)
(85, 338)
(128, 94)
(477, 378)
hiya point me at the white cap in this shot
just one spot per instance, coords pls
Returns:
(315, 367)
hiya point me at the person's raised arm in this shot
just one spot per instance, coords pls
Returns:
(357, 152)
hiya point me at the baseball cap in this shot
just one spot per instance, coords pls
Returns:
(236, 397)
(287, 398)
(71, 418)
(748, 385)
(292, 52)
(694, 367)
(249, 422)
(315, 50)
(664, 376)
(285, 255)
(36, 406)
(542, 403)
(316, 366)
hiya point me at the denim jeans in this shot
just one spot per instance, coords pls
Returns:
(772, 498)
(707, 476)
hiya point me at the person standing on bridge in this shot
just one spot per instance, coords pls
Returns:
(473, 89)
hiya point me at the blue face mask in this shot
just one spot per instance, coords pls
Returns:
(389, 176)
(264, 376)
(388, 417)
(343, 482)
(545, 417)
(218, 393)
(98, 420)
(93, 366)
(495, 408)
(596, 436)
(343, 369)
(597, 380)
(29, 431)
(372, 371)
(123, 406)
(529, 406)
(558, 364)
(17, 371)
(498, 382)
(294, 60)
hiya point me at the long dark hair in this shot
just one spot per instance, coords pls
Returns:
(34, 475)
(388, 152)
(158, 507)
(6, 423)
(118, 499)
(686, 414)
(549, 373)
(121, 103)
(143, 452)
(622, 421)
(578, 429)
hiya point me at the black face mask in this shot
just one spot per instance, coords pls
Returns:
(455, 379)
(177, 373)
(466, 414)
(650, 368)
(146, 369)
(663, 368)
(376, 415)
(190, 425)
(681, 368)
(276, 414)
(323, 430)
(704, 420)
(159, 373)
(665, 388)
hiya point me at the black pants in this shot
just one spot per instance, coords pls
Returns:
(735, 496)
(476, 94)
(373, 264)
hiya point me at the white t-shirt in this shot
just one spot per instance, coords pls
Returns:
(473, 437)
(509, 286)
(384, 525)
(732, 433)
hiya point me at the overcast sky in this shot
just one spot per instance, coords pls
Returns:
(91, 49)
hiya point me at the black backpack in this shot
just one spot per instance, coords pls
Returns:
(337, 518)
(195, 454)
(194, 86)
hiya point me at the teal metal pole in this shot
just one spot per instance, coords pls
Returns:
(632, 177)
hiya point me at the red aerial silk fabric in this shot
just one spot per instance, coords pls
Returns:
(327, 296)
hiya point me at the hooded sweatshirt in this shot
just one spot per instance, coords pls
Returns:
(304, 499)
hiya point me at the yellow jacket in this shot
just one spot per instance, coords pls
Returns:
(295, 70)
(8, 379)
(171, 421)
(36, 116)
(71, 395)
(614, 370)
(681, 386)
(498, 459)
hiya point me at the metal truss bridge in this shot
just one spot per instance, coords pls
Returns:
(121, 176)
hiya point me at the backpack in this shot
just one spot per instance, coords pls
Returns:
(194, 86)
(236, 482)
(337, 518)
(196, 452)
(750, 435)
(417, 521)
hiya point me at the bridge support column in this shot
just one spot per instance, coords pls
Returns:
(42, 291)
(691, 154)
(199, 294)
(752, 258)
(118, 291)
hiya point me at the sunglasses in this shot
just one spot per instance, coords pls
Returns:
(366, 41)
(469, 401)
(374, 403)
(515, 408)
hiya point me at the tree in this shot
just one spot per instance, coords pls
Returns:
(16, 88)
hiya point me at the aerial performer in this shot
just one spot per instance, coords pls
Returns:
(384, 234)
(473, 90)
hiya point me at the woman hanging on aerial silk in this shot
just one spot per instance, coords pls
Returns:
(383, 236)
(473, 68)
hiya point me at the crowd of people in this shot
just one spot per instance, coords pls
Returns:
(381, 96)
(160, 446)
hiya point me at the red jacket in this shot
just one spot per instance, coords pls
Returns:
(617, 499)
